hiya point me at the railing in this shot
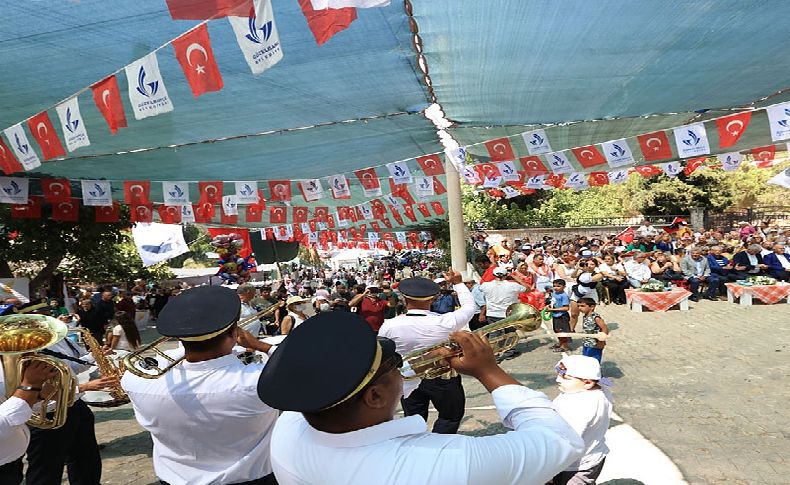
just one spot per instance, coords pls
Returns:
(661, 220)
(751, 215)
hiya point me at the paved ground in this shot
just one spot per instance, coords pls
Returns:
(708, 387)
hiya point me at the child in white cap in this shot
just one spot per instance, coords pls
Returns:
(587, 407)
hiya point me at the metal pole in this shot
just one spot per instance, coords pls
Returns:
(455, 215)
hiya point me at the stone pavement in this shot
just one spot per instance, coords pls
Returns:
(709, 387)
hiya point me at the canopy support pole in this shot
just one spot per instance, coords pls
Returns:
(455, 215)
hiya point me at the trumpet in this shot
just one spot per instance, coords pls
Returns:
(22, 334)
(502, 336)
(145, 362)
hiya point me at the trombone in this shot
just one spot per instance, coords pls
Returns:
(151, 367)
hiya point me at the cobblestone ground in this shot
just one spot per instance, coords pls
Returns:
(709, 387)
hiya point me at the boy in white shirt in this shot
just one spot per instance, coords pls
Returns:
(587, 407)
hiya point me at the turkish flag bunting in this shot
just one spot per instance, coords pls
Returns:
(204, 212)
(277, 215)
(500, 150)
(378, 208)
(526, 191)
(205, 10)
(598, 179)
(423, 208)
(375, 226)
(108, 99)
(627, 235)
(648, 170)
(280, 190)
(408, 211)
(731, 128)
(398, 218)
(169, 214)
(487, 170)
(135, 192)
(211, 192)
(228, 220)
(402, 191)
(693, 164)
(31, 210)
(387, 223)
(431, 164)
(142, 213)
(67, 210)
(193, 51)
(533, 166)
(344, 213)
(362, 229)
(108, 213)
(321, 214)
(44, 133)
(495, 193)
(56, 190)
(555, 180)
(253, 213)
(437, 207)
(438, 188)
(764, 156)
(327, 22)
(8, 161)
(313, 225)
(655, 146)
(299, 214)
(588, 156)
(522, 176)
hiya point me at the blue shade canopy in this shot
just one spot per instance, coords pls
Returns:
(586, 71)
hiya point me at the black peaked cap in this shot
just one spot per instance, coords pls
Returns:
(418, 287)
(199, 311)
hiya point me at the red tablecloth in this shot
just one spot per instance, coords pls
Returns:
(658, 301)
(769, 294)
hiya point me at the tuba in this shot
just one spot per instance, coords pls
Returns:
(25, 334)
(502, 336)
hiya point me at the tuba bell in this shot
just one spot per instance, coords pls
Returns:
(22, 335)
(502, 336)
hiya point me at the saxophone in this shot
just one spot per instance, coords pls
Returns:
(107, 367)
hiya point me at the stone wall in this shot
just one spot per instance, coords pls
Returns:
(537, 233)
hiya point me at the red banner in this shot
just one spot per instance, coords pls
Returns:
(44, 133)
(194, 53)
(431, 164)
(108, 213)
(500, 150)
(731, 128)
(135, 192)
(56, 190)
(108, 99)
(66, 210)
(8, 161)
(655, 146)
(589, 156)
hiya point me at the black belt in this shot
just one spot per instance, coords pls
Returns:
(416, 315)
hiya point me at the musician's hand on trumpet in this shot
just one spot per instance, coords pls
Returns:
(250, 342)
(477, 360)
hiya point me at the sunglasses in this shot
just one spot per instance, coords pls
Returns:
(563, 372)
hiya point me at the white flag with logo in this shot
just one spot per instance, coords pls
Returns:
(312, 189)
(400, 237)
(258, 37)
(392, 201)
(304, 227)
(510, 192)
(158, 242)
(537, 142)
(17, 138)
(470, 175)
(284, 233)
(672, 168)
(576, 181)
(366, 211)
(535, 182)
(14, 190)
(617, 153)
(312, 237)
(730, 161)
(400, 172)
(187, 213)
(147, 91)
(508, 171)
(779, 121)
(246, 193)
(176, 193)
(73, 126)
(324, 4)
(491, 182)
(691, 140)
(230, 205)
(782, 178)
(457, 157)
(340, 221)
(373, 238)
(559, 163)
(423, 187)
(340, 188)
(617, 176)
(96, 192)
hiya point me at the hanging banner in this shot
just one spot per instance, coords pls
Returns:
(672, 169)
(691, 140)
(66, 210)
(559, 162)
(147, 92)
(730, 161)
(107, 213)
(371, 186)
(617, 176)
(533, 166)
(230, 205)
(246, 193)
(537, 142)
(536, 182)
(211, 192)
(107, 97)
(44, 132)
(135, 192)
(655, 146)
(431, 164)
(187, 213)
(56, 190)
(778, 119)
(471, 176)
(8, 162)
(340, 188)
(14, 190)
(400, 172)
(589, 156)
(500, 150)
(21, 147)
(175, 193)
(731, 128)
(158, 242)
(456, 156)
(617, 153)
(258, 37)
(508, 171)
(312, 189)
(423, 187)
(280, 190)
(96, 192)
(577, 181)
(366, 211)
(74, 131)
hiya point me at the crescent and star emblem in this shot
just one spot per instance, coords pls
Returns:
(765, 155)
(105, 96)
(39, 127)
(197, 47)
(736, 131)
(499, 150)
(65, 206)
(590, 156)
(658, 144)
(53, 189)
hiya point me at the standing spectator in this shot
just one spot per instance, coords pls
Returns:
(370, 306)
(500, 294)
(502, 248)
(646, 229)
(543, 275)
(696, 271)
(90, 318)
(778, 263)
(560, 318)
(340, 298)
(584, 288)
(445, 302)
(126, 304)
(745, 230)
(480, 301)
(592, 323)
(125, 335)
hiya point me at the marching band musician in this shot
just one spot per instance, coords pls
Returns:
(206, 421)
(419, 327)
(338, 425)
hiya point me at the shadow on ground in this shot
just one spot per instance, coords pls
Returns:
(128, 445)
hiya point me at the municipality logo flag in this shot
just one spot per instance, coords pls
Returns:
(13, 190)
(618, 176)
(672, 169)
(559, 162)
(400, 173)
(691, 140)
(71, 123)
(147, 92)
(508, 171)
(176, 193)
(22, 149)
(158, 242)
(246, 193)
(730, 161)
(187, 213)
(782, 178)
(423, 187)
(257, 37)
(230, 205)
(779, 120)
(537, 142)
(96, 193)
(617, 153)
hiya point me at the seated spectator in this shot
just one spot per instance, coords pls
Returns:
(697, 271)
(778, 263)
(665, 269)
(637, 270)
(613, 279)
(720, 265)
(749, 262)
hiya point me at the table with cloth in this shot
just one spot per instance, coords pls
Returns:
(768, 294)
(657, 301)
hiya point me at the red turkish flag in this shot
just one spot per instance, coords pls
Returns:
(731, 128)
(108, 99)
(253, 213)
(204, 212)
(44, 133)
(423, 208)
(56, 190)
(398, 218)
(500, 150)
(108, 213)
(368, 178)
(655, 146)
(208, 9)
(280, 190)
(487, 171)
(327, 22)
(142, 213)
(211, 192)
(169, 214)
(431, 164)
(533, 166)
(31, 210)
(193, 51)
(228, 220)
(495, 193)
(330, 222)
(522, 177)
(402, 191)
(299, 214)
(648, 170)
(437, 207)
(387, 223)
(375, 226)
(627, 235)
(526, 191)
(8, 161)
(313, 225)
(408, 211)
(764, 156)
(555, 180)
(344, 213)
(598, 179)
(693, 164)
(378, 208)
(278, 215)
(321, 214)
(66, 210)
(438, 188)
(135, 192)
(588, 156)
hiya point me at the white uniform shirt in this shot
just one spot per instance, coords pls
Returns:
(499, 296)
(14, 434)
(588, 413)
(206, 421)
(247, 310)
(402, 451)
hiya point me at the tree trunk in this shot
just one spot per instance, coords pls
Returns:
(5, 270)
(45, 274)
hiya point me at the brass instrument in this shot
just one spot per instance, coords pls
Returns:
(150, 367)
(24, 334)
(107, 367)
(502, 336)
